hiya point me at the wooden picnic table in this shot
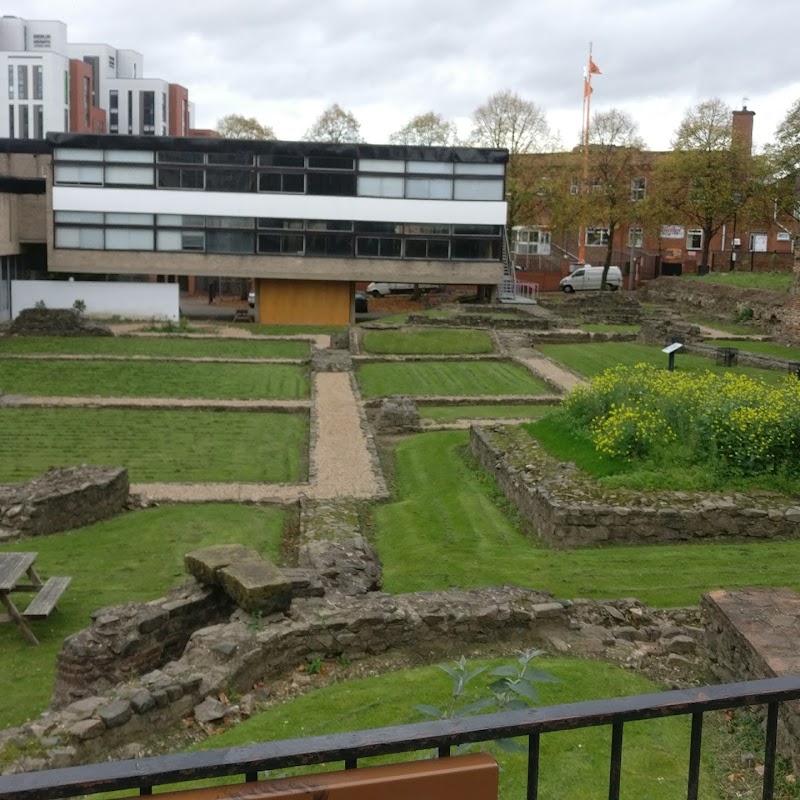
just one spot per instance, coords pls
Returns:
(17, 574)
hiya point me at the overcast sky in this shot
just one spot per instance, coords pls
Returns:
(284, 61)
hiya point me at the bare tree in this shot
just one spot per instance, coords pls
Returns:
(506, 120)
(236, 126)
(426, 130)
(335, 125)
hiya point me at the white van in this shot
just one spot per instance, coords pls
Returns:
(588, 277)
(383, 289)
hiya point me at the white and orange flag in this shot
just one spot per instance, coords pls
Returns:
(593, 68)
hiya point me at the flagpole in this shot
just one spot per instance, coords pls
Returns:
(587, 95)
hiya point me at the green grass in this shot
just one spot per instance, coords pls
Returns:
(153, 346)
(153, 379)
(592, 359)
(776, 281)
(190, 446)
(594, 327)
(734, 328)
(449, 526)
(293, 330)
(452, 413)
(762, 348)
(418, 378)
(445, 342)
(135, 557)
(574, 764)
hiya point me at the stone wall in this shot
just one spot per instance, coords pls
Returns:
(670, 328)
(743, 357)
(569, 509)
(55, 322)
(62, 499)
(611, 308)
(752, 634)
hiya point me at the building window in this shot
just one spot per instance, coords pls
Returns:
(638, 188)
(222, 241)
(113, 111)
(38, 122)
(11, 122)
(87, 88)
(758, 242)
(283, 244)
(10, 82)
(230, 180)
(24, 130)
(163, 114)
(380, 186)
(331, 183)
(532, 242)
(478, 190)
(427, 248)
(292, 182)
(130, 111)
(597, 236)
(476, 249)
(574, 186)
(635, 237)
(148, 113)
(429, 188)
(112, 62)
(181, 178)
(38, 82)
(184, 117)
(94, 63)
(694, 239)
(22, 83)
(596, 185)
(66, 93)
(373, 247)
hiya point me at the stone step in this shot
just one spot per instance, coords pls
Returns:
(257, 585)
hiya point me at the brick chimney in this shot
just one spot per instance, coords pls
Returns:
(742, 134)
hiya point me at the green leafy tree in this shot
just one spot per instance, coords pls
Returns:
(615, 160)
(335, 125)
(426, 130)
(708, 179)
(235, 126)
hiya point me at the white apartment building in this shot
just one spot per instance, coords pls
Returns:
(59, 87)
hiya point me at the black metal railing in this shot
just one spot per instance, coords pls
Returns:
(248, 762)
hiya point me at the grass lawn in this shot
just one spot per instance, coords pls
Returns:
(445, 342)
(735, 328)
(293, 330)
(135, 557)
(762, 348)
(574, 764)
(452, 413)
(153, 379)
(466, 378)
(596, 327)
(449, 526)
(189, 446)
(777, 281)
(592, 359)
(152, 346)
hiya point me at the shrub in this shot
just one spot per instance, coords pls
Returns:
(736, 423)
(79, 307)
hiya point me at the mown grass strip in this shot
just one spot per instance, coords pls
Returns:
(153, 379)
(761, 348)
(445, 378)
(450, 526)
(444, 342)
(134, 557)
(452, 413)
(775, 281)
(155, 446)
(592, 359)
(175, 346)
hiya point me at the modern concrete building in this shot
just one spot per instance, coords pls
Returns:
(58, 86)
(304, 220)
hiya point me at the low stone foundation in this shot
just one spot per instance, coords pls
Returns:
(62, 499)
(569, 509)
(743, 357)
(751, 634)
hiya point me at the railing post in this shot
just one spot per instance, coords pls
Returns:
(533, 767)
(694, 755)
(615, 771)
(770, 749)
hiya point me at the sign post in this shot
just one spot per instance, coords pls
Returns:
(670, 350)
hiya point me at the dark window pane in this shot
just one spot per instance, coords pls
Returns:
(438, 249)
(331, 184)
(319, 244)
(330, 162)
(391, 248)
(234, 180)
(416, 248)
(483, 249)
(476, 230)
(271, 222)
(244, 159)
(229, 242)
(276, 160)
(229, 222)
(329, 225)
(269, 243)
(292, 244)
(367, 247)
(269, 182)
(420, 230)
(377, 227)
(192, 178)
(169, 178)
(294, 182)
(179, 157)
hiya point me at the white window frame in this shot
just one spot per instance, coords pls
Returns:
(638, 189)
(604, 237)
(639, 240)
(691, 234)
(765, 240)
(574, 186)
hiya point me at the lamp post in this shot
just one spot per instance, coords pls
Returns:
(737, 199)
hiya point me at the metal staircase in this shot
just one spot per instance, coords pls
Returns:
(511, 290)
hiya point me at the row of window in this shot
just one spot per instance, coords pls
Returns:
(19, 84)
(26, 122)
(638, 187)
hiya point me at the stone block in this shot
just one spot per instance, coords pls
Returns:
(116, 713)
(257, 585)
(142, 701)
(206, 563)
(87, 729)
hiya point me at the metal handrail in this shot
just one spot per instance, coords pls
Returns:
(249, 761)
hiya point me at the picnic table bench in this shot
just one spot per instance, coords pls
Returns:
(14, 568)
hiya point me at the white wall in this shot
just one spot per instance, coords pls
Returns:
(103, 299)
